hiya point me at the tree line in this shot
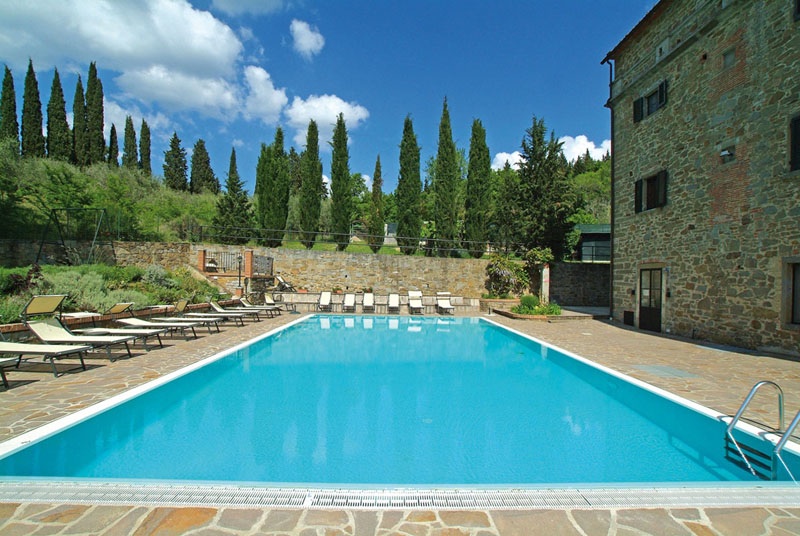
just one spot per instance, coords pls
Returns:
(84, 144)
(461, 207)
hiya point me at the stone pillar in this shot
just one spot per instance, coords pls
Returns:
(247, 269)
(201, 260)
(545, 297)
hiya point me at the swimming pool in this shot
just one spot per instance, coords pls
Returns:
(407, 402)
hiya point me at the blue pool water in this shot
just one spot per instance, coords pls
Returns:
(379, 400)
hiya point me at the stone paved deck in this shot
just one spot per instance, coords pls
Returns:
(713, 376)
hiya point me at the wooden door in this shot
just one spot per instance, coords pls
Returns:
(650, 299)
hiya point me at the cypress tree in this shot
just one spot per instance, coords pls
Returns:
(59, 138)
(233, 217)
(130, 158)
(96, 143)
(144, 149)
(445, 187)
(341, 188)
(478, 201)
(262, 188)
(9, 127)
(79, 144)
(311, 188)
(113, 147)
(273, 187)
(175, 165)
(32, 136)
(202, 178)
(376, 221)
(409, 187)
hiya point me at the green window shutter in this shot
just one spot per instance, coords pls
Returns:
(661, 188)
(637, 196)
(794, 134)
(638, 109)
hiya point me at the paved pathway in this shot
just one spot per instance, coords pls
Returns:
(716, 377)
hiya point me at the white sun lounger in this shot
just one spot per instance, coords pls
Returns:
(394, 303)
(415, 306)
(349, 304)
(164, 324)
(51, 331)
(324, 303)
(49, 352)
(218, 309)
(443, 304)
(368, 306)
(271, 310)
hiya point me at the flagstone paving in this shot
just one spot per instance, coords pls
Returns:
(713, 376)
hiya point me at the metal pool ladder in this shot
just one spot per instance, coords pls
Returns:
(761, 464)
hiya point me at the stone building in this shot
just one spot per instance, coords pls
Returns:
(705, 108)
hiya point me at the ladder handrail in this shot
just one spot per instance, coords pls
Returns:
(776, 453)
(750, 396)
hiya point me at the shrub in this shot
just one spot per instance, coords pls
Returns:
(529, 305)
(529, 301)
(156, 275)
(505, 277)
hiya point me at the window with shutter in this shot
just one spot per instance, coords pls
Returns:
(650, 103)
(651, 192)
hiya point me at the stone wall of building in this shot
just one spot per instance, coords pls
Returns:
(586, 284)
(730, 226)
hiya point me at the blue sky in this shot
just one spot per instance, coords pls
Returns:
(231, 71)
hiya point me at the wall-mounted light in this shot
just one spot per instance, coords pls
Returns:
(728, 154)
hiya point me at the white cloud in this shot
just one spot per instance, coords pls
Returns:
(165, 51)
(256, 7)
(323, 109)
(500, 160)
(116, 113)
(367, 181)
(263, 101)
(577, 146)
(327, 182)
(214, 97)
(118, 35)
(308, 42)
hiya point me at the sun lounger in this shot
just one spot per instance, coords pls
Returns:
(271, 310)
(349, 304)
(203, 318)
(139, 333)
(288, 306)
(44, 304)
(368, 306)
(218, 309)
(415, 306)
(51, 331)
(394, 303)
(165, 324)
(49, 352)
(324, 303)
(283, 286)
(443, 305)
